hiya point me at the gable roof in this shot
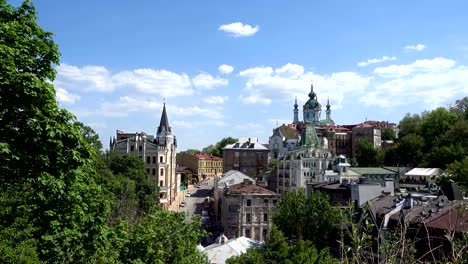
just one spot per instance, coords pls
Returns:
(233, 177)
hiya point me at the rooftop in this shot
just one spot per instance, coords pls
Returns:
(250, 188)
(371, 170)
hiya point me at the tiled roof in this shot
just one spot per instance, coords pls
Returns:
(250, 188)
(206, 156)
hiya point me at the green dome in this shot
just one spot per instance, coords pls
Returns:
(312, 104)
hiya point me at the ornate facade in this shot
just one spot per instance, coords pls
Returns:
(157, 152)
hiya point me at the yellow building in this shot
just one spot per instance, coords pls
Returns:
(204, 166)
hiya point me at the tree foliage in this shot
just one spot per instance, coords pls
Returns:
(278, 250)
(217, 149)
(367, 155)
(48, 184)
(56, 193)
(295, 212)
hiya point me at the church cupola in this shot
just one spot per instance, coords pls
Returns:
(296, 113)
(312, 108)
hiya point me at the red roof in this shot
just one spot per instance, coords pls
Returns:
(206, 156)
(250, 188)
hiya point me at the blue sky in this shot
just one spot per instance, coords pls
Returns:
(233, 68)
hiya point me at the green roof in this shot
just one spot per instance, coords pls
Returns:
(371, 170)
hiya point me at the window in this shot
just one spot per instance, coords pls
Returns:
(148, 159)
(161, 183)
(264, 233)
(249, 202)
(132, 148)
(247, 218)
(265, 202)
(154, 172)
(236, 154)
(161, 159)
(161, 172)
(154, 159)
(265, 217)
(147, 171)
(140, 148)
(247, 233)
(274, 202)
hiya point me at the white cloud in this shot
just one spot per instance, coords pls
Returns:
(215, 99)
(163, 83)
(426, 65)
(206, 81)
(265, 85)
(238, 29)
(225, 69)
(375, 60)
(63, 96)
(417, 47)
(87, 78)
(155, 82)
(419, 84)
(129, 104)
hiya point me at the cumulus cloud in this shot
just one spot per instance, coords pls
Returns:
(426, 65)
(215, 99)
(162, 83)
(417, 47)
(376, 60)
(154, 82)
(63, 96)
(225, 69)
(238, 29)
(428, 82)
(206, 81)
(126, 105)
(87, 78)
(265, 85)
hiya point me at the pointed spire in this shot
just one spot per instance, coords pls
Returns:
(164, 121)
(328, 103)
(295, 103)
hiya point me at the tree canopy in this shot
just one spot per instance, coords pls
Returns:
(217, 149)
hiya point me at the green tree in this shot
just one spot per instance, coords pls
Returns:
(409, 125)
(48, 185)
(164, 237)
(217, 149)
(133, 191)
(91, 137)
(367, 155)
(388, 134)
(410, 150)
(193, 151)
(277, 250)
(295, 212)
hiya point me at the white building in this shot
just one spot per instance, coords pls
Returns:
(158, 153)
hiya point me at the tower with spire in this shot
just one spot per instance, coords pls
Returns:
(158, 154)
(296, 113)
(328, 111)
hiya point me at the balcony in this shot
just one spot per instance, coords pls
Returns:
(163, 189)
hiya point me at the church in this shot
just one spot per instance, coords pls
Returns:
(158, 154)
(303, 154)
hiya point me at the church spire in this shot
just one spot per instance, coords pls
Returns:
(328, 111)
(164, 124)
(296, 113)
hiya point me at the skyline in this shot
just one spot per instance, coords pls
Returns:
(231, 69)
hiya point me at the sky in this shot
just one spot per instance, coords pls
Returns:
(234, 68)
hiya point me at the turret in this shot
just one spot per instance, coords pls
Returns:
(296, 113)
(328, 111)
